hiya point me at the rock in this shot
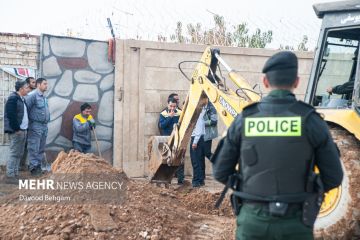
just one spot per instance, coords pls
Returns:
(54, 129)
(97, 57)
(143, 234)
(204, 227)
(46, 47)
(65, 236)
(104, 133)
(154, 237)
(51, 67)
(50, 231)
(73, 63)
(57, 106)
(106, 109)
(51, 237)
(51, 84)
(84, 76)
(100, 218)
(26, 237)
(86, 93)
(68, 230)
(156, 231)
(62, 141)
(107, 82)
(67, 47)
(65, 85)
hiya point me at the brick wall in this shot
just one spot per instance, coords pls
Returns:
(19, 50)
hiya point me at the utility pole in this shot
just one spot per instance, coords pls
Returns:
(111, 28)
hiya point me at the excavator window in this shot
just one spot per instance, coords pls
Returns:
(337, 69)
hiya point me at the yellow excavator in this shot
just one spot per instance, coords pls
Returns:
(333, 88)
(167, 153)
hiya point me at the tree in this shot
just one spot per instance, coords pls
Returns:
(219, 34)
(259, 39)
(302, 45)
(178, 36)
(240, 35)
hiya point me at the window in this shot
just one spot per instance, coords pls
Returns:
(337, 70)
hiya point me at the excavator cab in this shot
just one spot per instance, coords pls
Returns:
(335, 82)
(334, 90)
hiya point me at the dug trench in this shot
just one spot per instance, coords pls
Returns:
(145, 212)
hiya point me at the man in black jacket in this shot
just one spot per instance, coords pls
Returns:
(16, 124)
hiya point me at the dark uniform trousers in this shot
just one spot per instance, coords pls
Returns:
(198, 162)
(255, 223)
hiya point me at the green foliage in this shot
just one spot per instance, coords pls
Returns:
(219, 34)
(301, 46)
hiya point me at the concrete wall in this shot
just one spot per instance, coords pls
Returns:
(146, 73)
(77, 71)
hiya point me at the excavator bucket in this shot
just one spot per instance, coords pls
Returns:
(159, 170)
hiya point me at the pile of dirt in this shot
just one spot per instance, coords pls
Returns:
(148, 212)
(202, 201)
(76, 162)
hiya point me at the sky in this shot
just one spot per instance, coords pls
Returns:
(146, 19)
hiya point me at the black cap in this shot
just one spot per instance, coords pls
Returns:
(281, 61)
(19, 84)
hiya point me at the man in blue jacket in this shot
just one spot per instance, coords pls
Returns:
(16, 124)
(39, 116)
(169, 117)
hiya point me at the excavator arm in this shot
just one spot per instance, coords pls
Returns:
(167, 153)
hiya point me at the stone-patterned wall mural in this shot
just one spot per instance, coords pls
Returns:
(77, 71)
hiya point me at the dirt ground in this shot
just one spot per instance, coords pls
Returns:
(148, 211)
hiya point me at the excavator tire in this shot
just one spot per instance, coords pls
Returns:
(340, 218)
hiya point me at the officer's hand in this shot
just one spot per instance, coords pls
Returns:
(329, 90)
(194, 146)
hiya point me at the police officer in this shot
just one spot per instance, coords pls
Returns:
(39, 116)
(276, 143)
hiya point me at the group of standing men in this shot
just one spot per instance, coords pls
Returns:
(26, 117)
(201, 138)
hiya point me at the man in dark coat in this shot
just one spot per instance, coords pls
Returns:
(16, 125)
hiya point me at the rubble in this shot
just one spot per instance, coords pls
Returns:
(149, 212)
